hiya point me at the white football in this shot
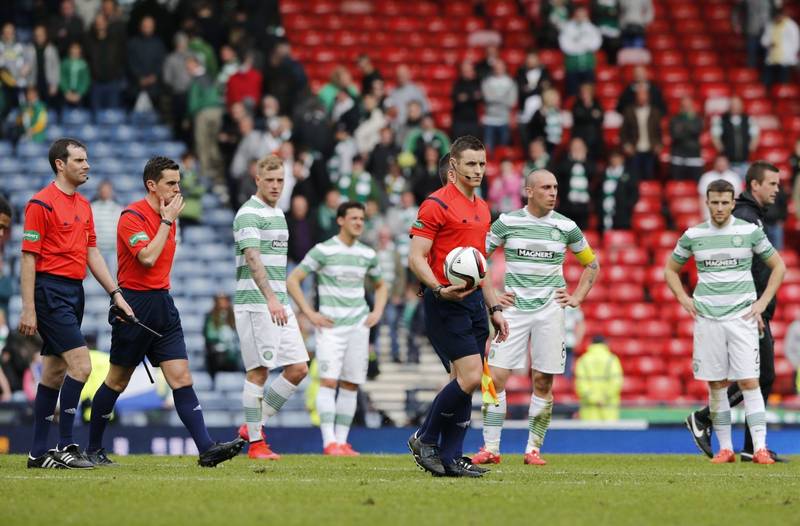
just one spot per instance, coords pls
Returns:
(465, 266)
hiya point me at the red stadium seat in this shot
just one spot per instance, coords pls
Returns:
(562, 385)
(789, 311)
(703, 59)
(679, 347)
(648, 204)
(619, 328)
(790, 258)
(681, 367)
(517, 383)
(647, 365)
(650, 189)
(660, 292)
(696, 389)
(786, 91)
(623, 274)
(640, 311)
(654, 329)
(758, 106)
(778, 329)
(663, 239)
(714, 89)
(632, 386)
(627, 256)
(685, 205)
(684, 221)
(628, 346)
(602, 311)
(625, 292)
(673, 311)
(685, 328)
(681, 189)
(618, 238)
(663, 388)
(647, 223)
(654, 274)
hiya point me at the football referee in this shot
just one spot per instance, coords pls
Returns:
(455, 318)
(145, 251)
(58, 242)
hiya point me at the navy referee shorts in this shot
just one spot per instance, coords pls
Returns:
(59, 313)
(456, 328)
(130, 343)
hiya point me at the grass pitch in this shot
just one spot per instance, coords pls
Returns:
(377, 490)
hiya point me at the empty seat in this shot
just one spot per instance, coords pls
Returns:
(663, 388)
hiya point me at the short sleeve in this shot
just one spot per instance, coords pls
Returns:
(761, 245)
(132, 232)
(497, 236)
(92, 241)
(430, 220)
(35, 226)
(246, 233)
(683, 249)
(374, 269)
(576, 240)
(313, 261)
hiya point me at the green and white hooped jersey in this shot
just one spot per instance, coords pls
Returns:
(723, 257)
(258, 225)
(535, 249)
(341, 271)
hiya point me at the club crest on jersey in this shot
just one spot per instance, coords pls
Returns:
(555, 234)
(737, 241)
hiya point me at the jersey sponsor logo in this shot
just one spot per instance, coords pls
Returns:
(31, 235)
(418, 224)
(720, 263)
(535, 254)
(138, 236)
(278, 243)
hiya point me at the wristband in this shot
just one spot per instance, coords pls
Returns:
(496, 308)
(115, 291)
(166, 222)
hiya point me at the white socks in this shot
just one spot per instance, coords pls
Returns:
(345, 409)
(721, 416)
(326, 407)
(276, 395)
(756, 416)
(251, 401)
(539, 414)
(493, 418)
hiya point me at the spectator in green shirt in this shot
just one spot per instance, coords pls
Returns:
(75, 78)
(33, 117)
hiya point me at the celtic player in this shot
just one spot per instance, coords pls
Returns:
(343, 322)
(727, 313)
(268, 332)
(535, 240)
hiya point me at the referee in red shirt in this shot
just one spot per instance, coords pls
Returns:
(57, 243)
(455, 318)
(145, 250)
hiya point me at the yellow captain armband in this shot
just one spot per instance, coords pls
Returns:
(585, 256)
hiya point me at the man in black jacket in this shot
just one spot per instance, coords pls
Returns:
(761, 188)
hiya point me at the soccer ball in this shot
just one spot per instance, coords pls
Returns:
(465, 266)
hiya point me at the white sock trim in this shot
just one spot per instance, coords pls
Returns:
(346, 402)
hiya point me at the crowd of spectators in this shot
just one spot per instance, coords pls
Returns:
(223, 75)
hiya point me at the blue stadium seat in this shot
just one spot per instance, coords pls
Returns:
(122, 133)
(75, 116)
(197, 234)
(217, 252)
(110, 117)
(53, 132)
(101, 149)
(108, 165)
(199, 287)
(128, 183)
(9, 165)
(158, 132)
(52, 118)
(201, 380)
(18, 183)
(27, 149)
(171, 149)
(136, 150)
(229, 381)
(219, 217)
(38, 166)
(19, 199)
(144, 118)
(86, 133)
(6, 149)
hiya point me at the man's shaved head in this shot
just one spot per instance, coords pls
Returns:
(536, 176)
(541, 187)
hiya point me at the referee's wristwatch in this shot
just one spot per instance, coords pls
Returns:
(437, 291)
(166, 222)
(496, 308)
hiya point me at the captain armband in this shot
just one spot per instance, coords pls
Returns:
(585, 256)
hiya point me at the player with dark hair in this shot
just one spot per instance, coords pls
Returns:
(145, 250)
(727, 313)
(341, 264)
(455, 318)
(58, 242)
(761, 187)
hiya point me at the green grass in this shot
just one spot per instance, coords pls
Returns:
(310, 489)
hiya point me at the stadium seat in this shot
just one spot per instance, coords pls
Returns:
(646, 365)
(519, 383)
(663, 388)
(640, 311)
(645, 223)
(618, 239)
(654, 329)
(628, 346)
(625, 292)
(602, 311)
(627, 256)
(632, 386)
(679, 347)
(75, 117)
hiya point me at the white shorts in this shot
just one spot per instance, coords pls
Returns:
(343, 353)
(544, 329)
(725, 349)
(267, 344)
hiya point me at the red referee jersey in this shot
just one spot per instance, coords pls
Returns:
(59, 228)
(137, 226)
(451, 220)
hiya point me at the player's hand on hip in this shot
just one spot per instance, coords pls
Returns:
(277, 312)
(171, 211)
(454, 293)
(500, 326)
(506, 299)
(120, 302)
(565, 299)
(27, 322)
(688, 306)
(372, 319)
(320, 321)
(756, 309)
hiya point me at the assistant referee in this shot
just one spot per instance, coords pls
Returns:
(455, 318)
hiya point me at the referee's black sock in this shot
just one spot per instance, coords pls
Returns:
(191, 414)
(68, 402)
(446, 404)
(43, 408)
(102, 407)
(454, 431)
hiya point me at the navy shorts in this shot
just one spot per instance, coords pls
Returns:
(456, 328)
(59, 313)
(130, 343)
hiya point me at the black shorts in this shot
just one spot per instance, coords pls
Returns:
(456, 328)
(59, 313)
(130, 343)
